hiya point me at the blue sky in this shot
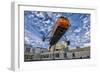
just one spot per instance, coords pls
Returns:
(39, 23)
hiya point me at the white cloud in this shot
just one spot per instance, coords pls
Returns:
(78, 30)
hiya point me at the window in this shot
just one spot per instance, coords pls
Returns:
(57, 49)
(45, 56)
(57, 55)
(65, 55)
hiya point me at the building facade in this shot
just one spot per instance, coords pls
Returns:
(41, 54)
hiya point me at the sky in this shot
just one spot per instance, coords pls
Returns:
(37, 24)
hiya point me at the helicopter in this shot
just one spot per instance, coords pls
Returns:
(59, 28)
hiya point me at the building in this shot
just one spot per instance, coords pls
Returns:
(79, 53)
(58, 52)
(60, 46)
(32, 54)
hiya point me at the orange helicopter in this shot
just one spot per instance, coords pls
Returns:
(60, 27)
